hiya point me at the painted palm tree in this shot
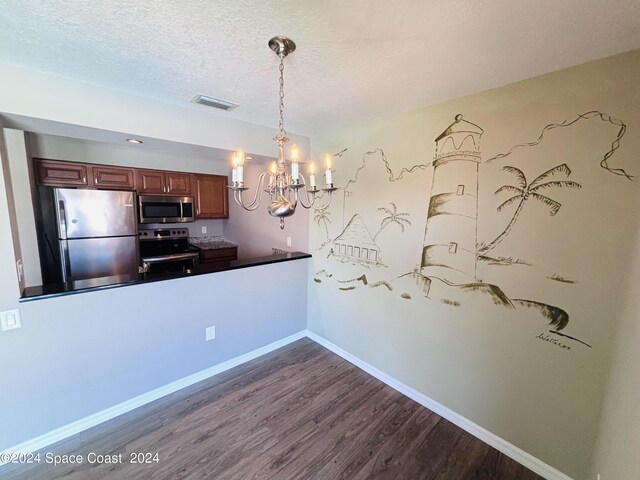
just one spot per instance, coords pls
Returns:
(525, 191)
(392, 217)
(322, 215)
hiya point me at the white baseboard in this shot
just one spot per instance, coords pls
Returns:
(78, 426)
(517, 454)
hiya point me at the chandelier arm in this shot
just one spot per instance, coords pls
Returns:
(301, 198)
(311, 200)
(325, 205)
(237, 196)
(257, 198)
(297, 198)
(312, 204)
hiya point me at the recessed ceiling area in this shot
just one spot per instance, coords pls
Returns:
(355, 61)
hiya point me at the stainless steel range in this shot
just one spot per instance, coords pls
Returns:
(166, 251)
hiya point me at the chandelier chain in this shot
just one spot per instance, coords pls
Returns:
(281, 131)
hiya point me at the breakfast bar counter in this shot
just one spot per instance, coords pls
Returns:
(81, 286)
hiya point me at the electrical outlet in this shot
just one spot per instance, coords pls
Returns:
(288, 241)
(598, 477)
(204, 229)
(10, 320)
(210, 333)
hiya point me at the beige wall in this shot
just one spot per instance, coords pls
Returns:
(475, 348)
(616, 455)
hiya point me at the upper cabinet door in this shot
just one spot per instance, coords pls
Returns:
(160, 182)
(113, 177)
(62, 174)
(211, 194)
(150, 181)
(178, 183)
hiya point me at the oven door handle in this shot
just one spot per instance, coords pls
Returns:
(169, 258)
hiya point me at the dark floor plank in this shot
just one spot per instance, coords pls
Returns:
(300, 412)
(465, 460)
(390, 460)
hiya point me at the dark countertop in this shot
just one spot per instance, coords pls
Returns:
(103, 283)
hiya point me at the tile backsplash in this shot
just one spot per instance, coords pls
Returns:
(207, 239)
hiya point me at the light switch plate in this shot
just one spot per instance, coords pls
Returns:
(204, 229)
(20, 269)
(10, 320)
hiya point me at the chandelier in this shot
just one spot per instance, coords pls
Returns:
(286, 187)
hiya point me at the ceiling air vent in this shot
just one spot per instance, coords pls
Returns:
(214, 102)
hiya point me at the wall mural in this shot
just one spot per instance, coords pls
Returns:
(447, 266)
(525, 191)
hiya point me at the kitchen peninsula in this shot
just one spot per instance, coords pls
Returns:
(102, 283)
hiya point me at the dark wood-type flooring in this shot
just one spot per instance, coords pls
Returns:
(299, 412)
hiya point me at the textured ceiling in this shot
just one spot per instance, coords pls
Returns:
(356, 60)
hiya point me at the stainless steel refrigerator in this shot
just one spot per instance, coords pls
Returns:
(97, 233)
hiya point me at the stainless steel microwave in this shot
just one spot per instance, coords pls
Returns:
(165, 209)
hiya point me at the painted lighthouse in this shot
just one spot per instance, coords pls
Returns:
(449, 250)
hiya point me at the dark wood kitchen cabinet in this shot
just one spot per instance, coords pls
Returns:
(56, 173)
(178, 183)
(211, 196)
(159, 182)
(113, 177)
(210, 191)
(150, 181)
(218, 257)
(62, 174)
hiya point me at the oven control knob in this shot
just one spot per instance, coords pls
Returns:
(184, 231)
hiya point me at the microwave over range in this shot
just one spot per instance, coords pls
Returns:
(165, 209)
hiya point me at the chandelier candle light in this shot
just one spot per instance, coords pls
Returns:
(284, 188)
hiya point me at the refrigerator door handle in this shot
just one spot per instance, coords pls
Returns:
(62, 219)
(65, 261)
